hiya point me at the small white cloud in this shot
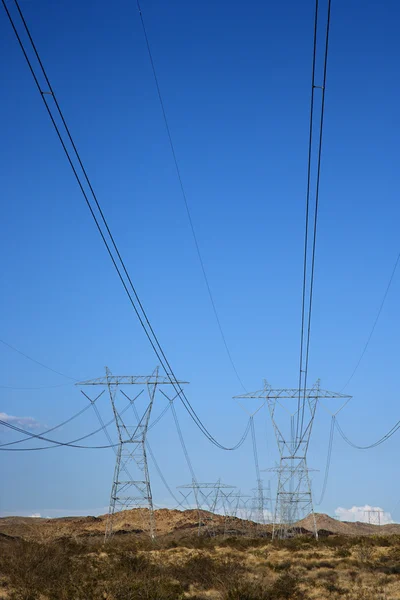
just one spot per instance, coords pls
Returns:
(363, 514)
(24, 422)
(54, 513)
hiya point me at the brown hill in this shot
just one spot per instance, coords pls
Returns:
(169, 523)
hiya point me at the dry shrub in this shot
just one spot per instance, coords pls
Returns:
(60, 571)
(244, 543)
(207, 572)
(342, 553)
(294, 544)
(364, 553)
(286, 587)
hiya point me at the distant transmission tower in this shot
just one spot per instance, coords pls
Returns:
(262, 503)
(293, 497)
(373, 516)
(211, 499)
(131, 490)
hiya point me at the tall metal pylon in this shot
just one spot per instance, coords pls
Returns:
(132, 490)
(294, 496)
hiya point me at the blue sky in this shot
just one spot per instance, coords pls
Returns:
(236, 83)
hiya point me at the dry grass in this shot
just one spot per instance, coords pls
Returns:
(201, 569)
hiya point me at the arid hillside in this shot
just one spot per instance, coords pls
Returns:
(67, 559)
(175, 524)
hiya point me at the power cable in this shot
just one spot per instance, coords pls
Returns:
(37, 362)
(181, 438)
(160, 416)
(303, 308)
(78, 414)
(40, 387)
(383, 439)
(75, 416)
(139, 310)
(255, 453)
(160, 473)
(328, 460)
(374, 324)
(57, 443)
(306, 320)
(184, 196)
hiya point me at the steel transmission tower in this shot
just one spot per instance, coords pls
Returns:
(294, 497)
(131, 482)
(262, 503)
(211, 499)
(373, 516)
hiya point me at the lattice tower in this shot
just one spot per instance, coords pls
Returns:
(131, 487)
(294, 497)
(211, 499)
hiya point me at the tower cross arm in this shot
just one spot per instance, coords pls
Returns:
(292, 393)
(133, 380)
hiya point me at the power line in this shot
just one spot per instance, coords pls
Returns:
(184, 196)
(75, 416)
(70, 444)
(37, 362)
(255, 452)
(375, 323)
(181, 438)
(40, 387)
(161, 475)
(78, 414)
(307, 311)
(383, 439)
(157, 419)
(117, 260)
(55, 442)
(328, 460)
(303, 308)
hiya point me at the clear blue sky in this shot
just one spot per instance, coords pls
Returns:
(236, 83)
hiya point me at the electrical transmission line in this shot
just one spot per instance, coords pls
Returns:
(57, 443)
(75, 416)
(328, 460)
(99, 219)
(371, 333)
(37, 362)
(181, 438)
(184, 196)
(308, 277)
(71, 443)
(383, 439)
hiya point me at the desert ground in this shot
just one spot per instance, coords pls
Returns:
(66, 559)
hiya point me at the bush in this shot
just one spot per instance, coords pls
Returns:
(286, 587)
(342, 553)
(207, 571)
(364, 553)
